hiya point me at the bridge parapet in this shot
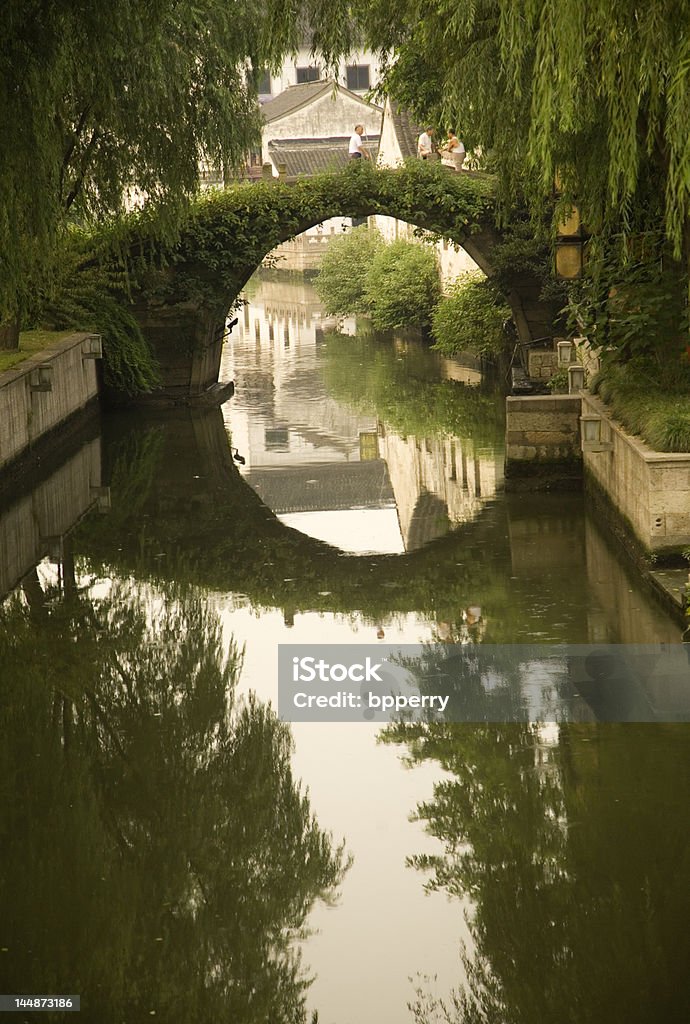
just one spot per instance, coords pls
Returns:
(183, 305)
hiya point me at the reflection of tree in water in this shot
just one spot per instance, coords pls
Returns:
(483, 684)
(575, 856)
(157, 852)
(400, 385)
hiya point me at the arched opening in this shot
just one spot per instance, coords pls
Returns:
(182, 307)
(368, 440)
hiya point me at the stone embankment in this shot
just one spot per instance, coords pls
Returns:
(44, 392)
(568, 441)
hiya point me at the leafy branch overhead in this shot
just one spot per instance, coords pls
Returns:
(101, 100)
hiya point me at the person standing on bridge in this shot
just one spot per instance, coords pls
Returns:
(357, 150)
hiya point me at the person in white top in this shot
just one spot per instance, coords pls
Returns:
(357, 150)
(425, 144)
(454, 150)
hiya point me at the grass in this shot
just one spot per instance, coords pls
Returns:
(30, 342)
(659, 415)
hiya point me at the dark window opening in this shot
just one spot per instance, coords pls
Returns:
(358, 77)
(308, 75)
(264, 84)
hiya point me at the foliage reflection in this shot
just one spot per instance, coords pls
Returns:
(152, 824)
(550, 837)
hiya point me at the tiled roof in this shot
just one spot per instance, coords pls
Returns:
(292, 98)
(310, 156)
(406, 131)
(296, 96)
(327, 487)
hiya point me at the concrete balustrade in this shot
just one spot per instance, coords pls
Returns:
(650, 489)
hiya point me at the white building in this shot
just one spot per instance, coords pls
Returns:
(307, 128)
(359, 72)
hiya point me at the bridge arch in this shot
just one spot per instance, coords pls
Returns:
(187, 289)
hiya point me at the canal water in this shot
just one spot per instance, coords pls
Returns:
(172, 850)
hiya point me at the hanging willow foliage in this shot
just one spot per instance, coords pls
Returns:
(92, 295)
(610, 104)
(599, 91)
(97, 100)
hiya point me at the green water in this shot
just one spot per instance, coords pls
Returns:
(172, 851)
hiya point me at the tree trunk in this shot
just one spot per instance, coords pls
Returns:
(9, 334)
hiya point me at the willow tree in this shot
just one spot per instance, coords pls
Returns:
(593, 92)
(98, 100)
(596, 90)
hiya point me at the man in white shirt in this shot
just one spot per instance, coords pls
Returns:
(357, 150)
(424, 144)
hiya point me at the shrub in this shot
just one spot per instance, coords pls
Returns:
(403, 286)
(90, 292)
(470, 319)
(341, 283)
(559, 382)
(660, 415)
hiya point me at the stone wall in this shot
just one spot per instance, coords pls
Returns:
(542, 364)
(42, 392)
(650, 489)
(543, 440)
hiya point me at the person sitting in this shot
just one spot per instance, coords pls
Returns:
(425, 146)
(454, 150)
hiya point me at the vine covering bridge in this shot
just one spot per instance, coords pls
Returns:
(187, 289)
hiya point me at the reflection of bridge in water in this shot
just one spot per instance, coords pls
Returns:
(181, 512)
(307, 452)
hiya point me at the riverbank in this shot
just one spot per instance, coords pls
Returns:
(40, 395)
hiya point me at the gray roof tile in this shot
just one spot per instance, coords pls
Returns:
(320, 488)
(303, 157)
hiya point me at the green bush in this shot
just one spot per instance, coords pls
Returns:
(341, 283)
(559, 382)
(660, 415)
(396, 284)
(403, 286)
(470, 319)
(90, 293)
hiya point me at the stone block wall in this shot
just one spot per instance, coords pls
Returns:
(651, 489)
(542, 364)
(27, 414)
(543, 437)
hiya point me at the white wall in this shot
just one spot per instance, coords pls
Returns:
(288, 73)
(326, 117)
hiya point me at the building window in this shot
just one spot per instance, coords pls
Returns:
(263, 86)
(358, 77)
(308, 75)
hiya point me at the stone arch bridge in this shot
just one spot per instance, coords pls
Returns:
(186, 289)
